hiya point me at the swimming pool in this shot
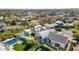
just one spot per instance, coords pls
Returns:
(11, 42)
(27, 36)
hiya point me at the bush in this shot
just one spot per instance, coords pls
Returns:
(74, 44)
(58, 29)
(27, 46)
(33, 34)
(71, 48)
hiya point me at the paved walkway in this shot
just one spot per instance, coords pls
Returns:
(68, 46)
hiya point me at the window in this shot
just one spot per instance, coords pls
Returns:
(57, 45)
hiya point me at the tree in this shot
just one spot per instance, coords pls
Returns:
(76, 36)
(33, 34)
(13, 22)
(77, 25)
(7, 20)
(27, 46)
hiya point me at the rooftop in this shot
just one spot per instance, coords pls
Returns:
(1, 24)
(57, 38)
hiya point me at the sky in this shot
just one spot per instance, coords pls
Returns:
(38, 4)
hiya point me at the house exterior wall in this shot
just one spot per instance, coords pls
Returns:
(1, 28)
(61, 45)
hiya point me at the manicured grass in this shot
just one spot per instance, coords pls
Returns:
(31, 36)
(33, 48)
(22, 47)
(46, 47)
(73, 29)
(19, 47)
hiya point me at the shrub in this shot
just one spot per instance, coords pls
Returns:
(58, 29)
(71, 48)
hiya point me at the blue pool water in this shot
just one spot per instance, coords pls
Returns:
(11, 42)
(25, 35)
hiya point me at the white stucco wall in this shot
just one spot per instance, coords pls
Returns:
(61, 45)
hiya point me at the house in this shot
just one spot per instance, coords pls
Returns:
(49, 25)
(25, 18)
(1, 17)
(69, 25)
(67, 32)
(1, 26)
(39, 28)
(43, 34)
(56, 40)
(53, 38)
(71, 19)
(29, 31)
(59, 23)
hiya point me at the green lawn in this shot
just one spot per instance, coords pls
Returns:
(23, 47)
(73, 29)
(19, 47)
(48, 47)
(33, 48)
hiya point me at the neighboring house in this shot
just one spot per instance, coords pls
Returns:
(56, 40)
(43, 34)
(49, 25)
(1, 26)
(69, 25)
(71, 19)
(39, 28)
(59, 23)
(29, 31)
(1, 17)
(25, 18)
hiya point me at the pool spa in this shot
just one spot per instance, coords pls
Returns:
(27, 36)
